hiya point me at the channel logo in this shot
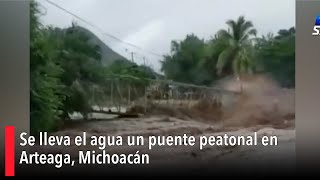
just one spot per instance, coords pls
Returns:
(316, 28)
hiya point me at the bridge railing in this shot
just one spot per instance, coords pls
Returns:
(124, 92)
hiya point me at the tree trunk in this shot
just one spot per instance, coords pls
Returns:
(240, 83)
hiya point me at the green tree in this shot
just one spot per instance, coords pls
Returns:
(183, 64)
(238, 52)
(64, 65)
(276, 56)
(45, 85)
(67, 73)
(80, 60)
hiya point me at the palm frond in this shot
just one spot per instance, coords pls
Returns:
(252, 32)
(233, 26)
(244, 38)
(224, 34)
(243, 62)
(245, 28)
(241, 20)
(224, 58)
(238, 31)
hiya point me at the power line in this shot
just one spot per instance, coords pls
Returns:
(101, 30)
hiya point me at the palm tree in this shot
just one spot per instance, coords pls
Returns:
(238, 47)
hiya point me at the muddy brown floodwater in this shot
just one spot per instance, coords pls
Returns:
(257, 156)
(263, 108)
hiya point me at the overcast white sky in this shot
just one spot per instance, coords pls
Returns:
(152, 24)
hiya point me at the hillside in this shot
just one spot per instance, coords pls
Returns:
(108, 55)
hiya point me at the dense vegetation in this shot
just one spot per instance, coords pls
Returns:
(235, 51)
(68, 68)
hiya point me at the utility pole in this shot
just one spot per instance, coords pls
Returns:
(144, 64)
(131, 53)
(132, 57)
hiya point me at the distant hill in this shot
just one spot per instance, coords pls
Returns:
(108, 55)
